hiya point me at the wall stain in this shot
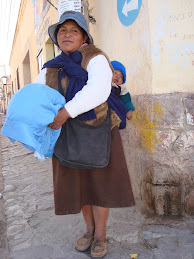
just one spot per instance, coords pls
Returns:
(145, 121)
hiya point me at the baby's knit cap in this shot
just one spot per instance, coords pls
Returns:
(119, 66)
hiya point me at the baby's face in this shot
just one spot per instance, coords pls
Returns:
(117, 77)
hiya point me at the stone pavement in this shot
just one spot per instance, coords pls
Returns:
(35, 232)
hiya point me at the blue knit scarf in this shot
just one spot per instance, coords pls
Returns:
(71, 67)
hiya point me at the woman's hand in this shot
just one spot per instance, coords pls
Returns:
(129, 115)
(60, 119)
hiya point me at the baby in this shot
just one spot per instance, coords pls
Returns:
(118, 80)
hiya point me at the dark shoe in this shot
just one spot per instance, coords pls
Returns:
(99, 249)
(84, 242)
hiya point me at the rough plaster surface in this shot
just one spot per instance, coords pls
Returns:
(159, 148)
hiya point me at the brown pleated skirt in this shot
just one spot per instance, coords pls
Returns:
(107, 187)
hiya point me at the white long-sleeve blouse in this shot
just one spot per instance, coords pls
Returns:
(95, 92)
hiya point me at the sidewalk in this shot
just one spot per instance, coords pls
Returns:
(35, 232)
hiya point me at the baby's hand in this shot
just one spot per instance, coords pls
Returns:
(129, 115)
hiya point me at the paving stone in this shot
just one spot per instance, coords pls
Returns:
(147, 255)
(185, 253)
(140, 249)
(15, 229)
(157, 231)
(9, 188)
(164, 254)
(73, 255)
(130, 215)
(14, 212)
(114, 255)
(2, 235)
(10, 202)
(38, 252)
(168, 243)
(3, 253)
(32, 209)
(186, 240)
(117, 255)
(21, 246)
(123, 231)
(189, 248)
(151, 243)
(45, 207)
(15, 220)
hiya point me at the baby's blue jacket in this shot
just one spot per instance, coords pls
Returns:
(29, 112)
(126, 98)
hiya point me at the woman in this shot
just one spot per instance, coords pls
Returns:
(92, 191)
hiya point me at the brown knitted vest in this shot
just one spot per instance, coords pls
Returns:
(88, 52)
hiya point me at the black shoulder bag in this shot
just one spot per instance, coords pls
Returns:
(81, 145)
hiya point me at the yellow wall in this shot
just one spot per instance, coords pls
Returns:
(27, 43)
(157, 49)
(22, 41)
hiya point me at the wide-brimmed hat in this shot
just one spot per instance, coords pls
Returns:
(119, 66)
(70, 15)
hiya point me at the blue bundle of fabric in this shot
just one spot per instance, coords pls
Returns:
(30, 111)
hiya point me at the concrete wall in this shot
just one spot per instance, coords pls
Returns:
(157, 50)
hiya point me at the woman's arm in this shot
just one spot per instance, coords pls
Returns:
(97, 89)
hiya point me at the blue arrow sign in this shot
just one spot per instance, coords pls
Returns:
(128, 10)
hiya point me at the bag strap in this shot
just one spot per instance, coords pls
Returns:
(60, 88)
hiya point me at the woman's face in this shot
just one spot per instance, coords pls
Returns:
(117, 77)
(70, 37)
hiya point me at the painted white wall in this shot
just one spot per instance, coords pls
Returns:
(157, 49)
(172, 41)
(127, 44)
